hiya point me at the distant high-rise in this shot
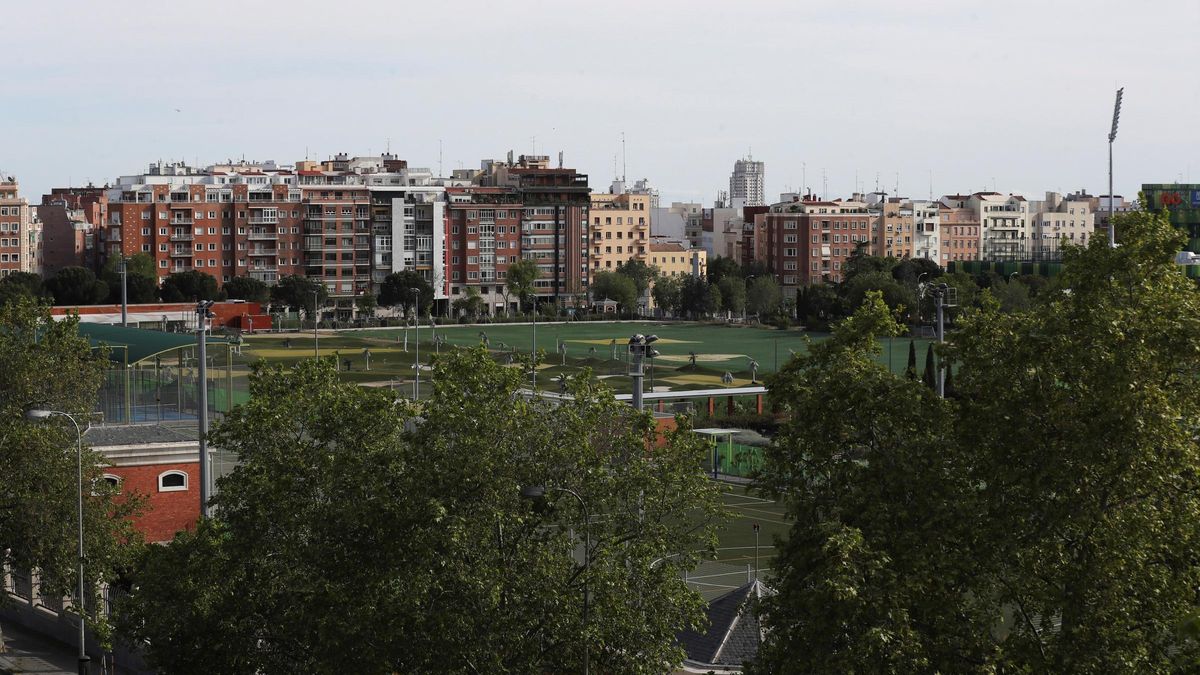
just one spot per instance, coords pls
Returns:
(746, 183)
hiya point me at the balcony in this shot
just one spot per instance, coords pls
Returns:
(181, 253)
(182, 221)
(262, 235)
(264, 251)
(182, 236)
(264, 220)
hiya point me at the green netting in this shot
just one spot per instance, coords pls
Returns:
(131, 345)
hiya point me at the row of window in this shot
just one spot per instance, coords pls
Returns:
(6, 257)
(641, 222)
(168, 481)
(10, 227)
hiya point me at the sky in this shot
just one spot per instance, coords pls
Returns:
(932, 96)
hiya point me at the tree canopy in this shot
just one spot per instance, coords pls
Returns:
(615, 286)
(76, 286)
(398, 290)
(1043, 520)
(363, 534)
(296, 291)
(247, 288)
(640, 273)
(521, 276)
(189, 286)
(763, 296)
(141, 279)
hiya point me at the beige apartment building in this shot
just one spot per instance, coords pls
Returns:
(19, 237)
(620, 228)
(673, 260)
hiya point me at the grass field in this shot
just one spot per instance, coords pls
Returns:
(718, 349)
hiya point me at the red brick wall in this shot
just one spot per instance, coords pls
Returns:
(166, 512)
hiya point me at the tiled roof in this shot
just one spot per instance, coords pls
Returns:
(733, 635)
(136, 434)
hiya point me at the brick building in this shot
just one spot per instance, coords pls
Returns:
(620, 227)
(959, 229)
(807, 242)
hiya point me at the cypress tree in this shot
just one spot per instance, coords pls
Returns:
(930, 377)
(949, 381)
(911, 371)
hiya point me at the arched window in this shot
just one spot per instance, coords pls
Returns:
(172, 481)
(112, 480)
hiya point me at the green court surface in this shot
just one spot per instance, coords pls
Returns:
(718, 349)
(735, 560)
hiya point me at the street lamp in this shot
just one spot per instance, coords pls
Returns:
(639, 347)
(538, 492)
(417, 338)
(1112, 136)
(41, 415)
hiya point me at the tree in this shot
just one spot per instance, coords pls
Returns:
(247, 288)
(666, 292)
(189, 286)
(1013, 296)
(929, 376)
(640, 273)
(366, 304)
(46, 364)
(470, 304)
(76, 286)
(614, 286)
(1045, 520)
(296, 291)
(911, 370)
(141, 279)
(818, 302)
(862, 262)
(693, 296)
(521, 276)
(896, 295)
(763, 297)
(290, 580)
(733, 294)
(398, 289)
(909, 270)
(720, 267)
(713, 300)
(21, 285)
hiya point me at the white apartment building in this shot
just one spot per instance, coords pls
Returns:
(1057, 219)
(926, 227)
(747, 183)
(1004, 225)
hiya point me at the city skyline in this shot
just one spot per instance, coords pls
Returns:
(949, 94)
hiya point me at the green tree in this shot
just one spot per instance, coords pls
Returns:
(46, 364)
(1044, 520)
(189, 286)
(712, 300)
(296, 291)
(398, 289)
(366, 304)
(763, 297)
(1013, 296)
(470, 304)
(895, 294)
(640, 273)
(694, 296)
(666, 292)
(141, 279)
(292, 573)
(247, 288)
(21, 285)
(521, 276)
(614, 286)
(929, 376)
(720, 267)
(862, 262)
(76, 286)
(909, 270)
(911, 370)
(733, 294)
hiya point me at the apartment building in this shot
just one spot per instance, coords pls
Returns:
(19, 233)
(674, 260)
(484, 228)
(620, 227)
(894, 229)
(69, 239)
(1058, 219)
(958, 230)
(747, 183)
(809, 241)
(1004, 225)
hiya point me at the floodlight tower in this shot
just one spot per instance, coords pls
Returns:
(203, 314)
(1112, 136)
(639, 348)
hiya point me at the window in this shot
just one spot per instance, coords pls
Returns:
(172, 481)
(112, 480)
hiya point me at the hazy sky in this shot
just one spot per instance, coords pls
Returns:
(1017, 94)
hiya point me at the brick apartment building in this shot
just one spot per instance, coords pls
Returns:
(808, 242)
(70, 220)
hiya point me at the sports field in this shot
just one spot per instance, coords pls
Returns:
(735, 553)
(718, 350)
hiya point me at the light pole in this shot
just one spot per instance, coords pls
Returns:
(537, 492)
(202, 316)
(124, 295)
(939, 295)
(919, 296)
(316, 339)
(639, 348)
(417, 339)
(41, 415)
(1112, 136)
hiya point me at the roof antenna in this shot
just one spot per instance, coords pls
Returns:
(622, 156)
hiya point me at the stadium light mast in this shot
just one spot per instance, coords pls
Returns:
(1112, 136)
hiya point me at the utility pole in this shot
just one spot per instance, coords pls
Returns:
(124, 293)
(417, 339)
(316, 338)
(202, 316)
(939, 295)
(1112, 136)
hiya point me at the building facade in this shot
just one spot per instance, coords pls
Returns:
(20, 242)
(620, 227)
(808, 242)
(747, 184)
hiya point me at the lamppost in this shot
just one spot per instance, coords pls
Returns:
(316, 339)
(417, 339)
(123, 267)
(639, 348)
(919, 296)
(1112, 136)
(538, 492)
(41, 415)
(202, 316)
